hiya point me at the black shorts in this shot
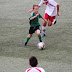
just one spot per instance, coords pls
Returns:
(33, 29)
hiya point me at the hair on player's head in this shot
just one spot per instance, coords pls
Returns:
(35, 6)
(33, 61)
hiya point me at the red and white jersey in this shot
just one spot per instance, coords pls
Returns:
(51, 7)
(35, 69)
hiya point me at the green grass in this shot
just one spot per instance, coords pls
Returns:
(14, 25)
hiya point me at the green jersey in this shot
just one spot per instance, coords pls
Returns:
(35, 21)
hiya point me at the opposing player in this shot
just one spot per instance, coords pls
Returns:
(34, 24)
(34, 62)
(51, 12)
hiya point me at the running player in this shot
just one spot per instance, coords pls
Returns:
(34, 24)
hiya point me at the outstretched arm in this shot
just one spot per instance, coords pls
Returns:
(44, 19)
(30, 11)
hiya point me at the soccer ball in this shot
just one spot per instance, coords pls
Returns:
(41, 45)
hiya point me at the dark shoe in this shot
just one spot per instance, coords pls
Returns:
(43, 34)
(25, 43)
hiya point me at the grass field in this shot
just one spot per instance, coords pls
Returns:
(14, 25)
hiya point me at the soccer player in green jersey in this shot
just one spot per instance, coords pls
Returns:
(34, 24)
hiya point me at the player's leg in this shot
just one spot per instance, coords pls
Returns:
(39, 35)
(44, 25)
(51, 19)
(27, 39)
(43, 28)
(54, 20)
(49, 23)
(38, 31)
(31, 31)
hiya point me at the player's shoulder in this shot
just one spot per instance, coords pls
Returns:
(39, 14)
(32, 13)
(36, 69)
(52, 1)
(27, 70)
(40, 68)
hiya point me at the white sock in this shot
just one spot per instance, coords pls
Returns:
(54, 20)
(43, 29)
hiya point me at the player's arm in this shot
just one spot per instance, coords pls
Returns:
(41, 3)
(44, 19)
(58, 9)
(30, 11)
(34, 17)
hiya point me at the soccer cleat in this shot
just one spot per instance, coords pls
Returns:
(54, 21)
(43, 34)
(25, 43)
(41, 40)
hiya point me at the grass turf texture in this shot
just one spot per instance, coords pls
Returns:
(14, 25)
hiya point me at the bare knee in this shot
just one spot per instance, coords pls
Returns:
(30, 35)
(38, 32)
(50, 23)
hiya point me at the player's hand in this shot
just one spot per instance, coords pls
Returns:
(30, 11)
(58, 14)
(37, 15)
